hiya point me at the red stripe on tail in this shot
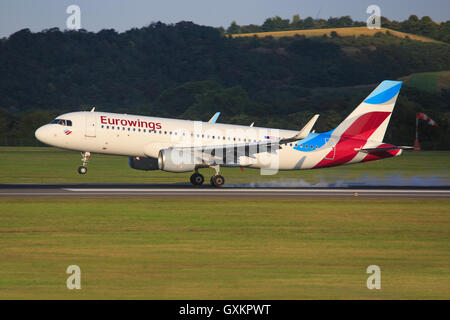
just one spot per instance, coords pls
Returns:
(354, 137)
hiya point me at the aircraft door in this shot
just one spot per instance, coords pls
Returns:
(91, 124)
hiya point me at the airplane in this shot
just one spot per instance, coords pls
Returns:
(175, 145)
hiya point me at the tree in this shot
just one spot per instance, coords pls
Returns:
(233, 28)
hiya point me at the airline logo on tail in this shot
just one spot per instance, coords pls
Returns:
(366, 125)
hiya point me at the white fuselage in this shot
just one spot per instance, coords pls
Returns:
(140, 136)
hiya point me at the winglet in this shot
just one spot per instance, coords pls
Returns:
(306, 129)
(214, 117)
(302, 134)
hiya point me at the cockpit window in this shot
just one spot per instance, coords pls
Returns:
(62, 122)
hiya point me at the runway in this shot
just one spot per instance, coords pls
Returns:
(146, 190)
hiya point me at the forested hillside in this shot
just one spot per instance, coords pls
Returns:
(190, 71)
(424, 26)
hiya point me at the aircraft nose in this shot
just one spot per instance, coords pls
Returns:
(39, 134)
(42, 134)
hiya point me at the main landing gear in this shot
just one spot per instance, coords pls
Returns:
(197, 179)
(85, 159)
(217, 180)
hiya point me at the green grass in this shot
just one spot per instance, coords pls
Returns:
(221, 249)
(429, 81)
(49, 165)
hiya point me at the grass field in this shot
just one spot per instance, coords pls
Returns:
(429, 81)
(343, 32)
(225, 248)
(222, 249)
(49, 165)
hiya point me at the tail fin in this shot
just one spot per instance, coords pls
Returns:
(371, 118)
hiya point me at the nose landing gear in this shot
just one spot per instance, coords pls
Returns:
(84, 159)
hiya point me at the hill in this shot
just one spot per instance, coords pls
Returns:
(342, 32)
(189, 71)
(424, 26)
(433, 82)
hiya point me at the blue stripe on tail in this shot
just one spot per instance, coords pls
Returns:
(384, 92)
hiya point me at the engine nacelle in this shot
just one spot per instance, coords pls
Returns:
(173, 160)
(139, 163)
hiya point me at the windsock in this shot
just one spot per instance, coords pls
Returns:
(423, 116)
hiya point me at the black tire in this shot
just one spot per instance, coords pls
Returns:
(82, 170)
(197, 179)
(217, 181)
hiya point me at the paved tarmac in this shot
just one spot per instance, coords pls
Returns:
(158, 190)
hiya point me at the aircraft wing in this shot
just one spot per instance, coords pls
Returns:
(212, 153)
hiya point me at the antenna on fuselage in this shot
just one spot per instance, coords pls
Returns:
(93, 109)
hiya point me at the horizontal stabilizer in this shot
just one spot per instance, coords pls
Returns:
(383, 149)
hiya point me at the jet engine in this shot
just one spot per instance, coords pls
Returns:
(141, 163)
(173, 160)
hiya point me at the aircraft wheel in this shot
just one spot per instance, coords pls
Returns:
(217, 180)
(82, 170)
(197, 179)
